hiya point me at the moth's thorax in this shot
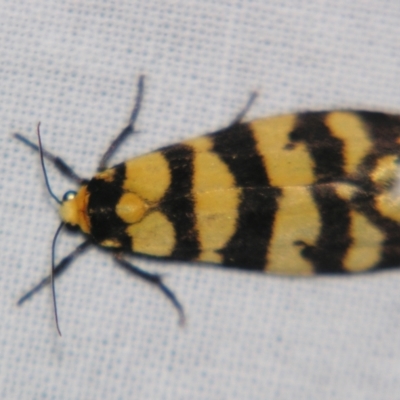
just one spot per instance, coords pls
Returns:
(131, 208)
(111, 207)
(74, 211)
(111, 196)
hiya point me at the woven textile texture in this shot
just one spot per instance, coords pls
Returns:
(74, 65)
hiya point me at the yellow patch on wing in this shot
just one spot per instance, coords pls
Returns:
(365, 250)
(106, 175)
(385, 171)
(154, 235)
(346, 190)
(216, 200)
(388, 206)
(110, 243)
(148, 176)
(200, 144)
(297, 219)
(348, 127)
(285, 167)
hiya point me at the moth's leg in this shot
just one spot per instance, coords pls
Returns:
(154, 279)
(58, 162)
(245, 109)
(129, 129)
(58, 270)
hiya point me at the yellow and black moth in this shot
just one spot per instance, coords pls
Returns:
(297, 194)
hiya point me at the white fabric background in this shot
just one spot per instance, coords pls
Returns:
(73, 65)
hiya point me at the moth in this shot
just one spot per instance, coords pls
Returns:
(297, 194)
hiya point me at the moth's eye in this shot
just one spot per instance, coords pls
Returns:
(69, 195)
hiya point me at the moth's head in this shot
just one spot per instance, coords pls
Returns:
(73, 209)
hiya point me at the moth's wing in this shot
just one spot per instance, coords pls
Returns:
(282, 194)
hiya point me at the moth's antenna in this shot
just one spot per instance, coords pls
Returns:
(53, 246)
(46, 179)
(53, 289)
